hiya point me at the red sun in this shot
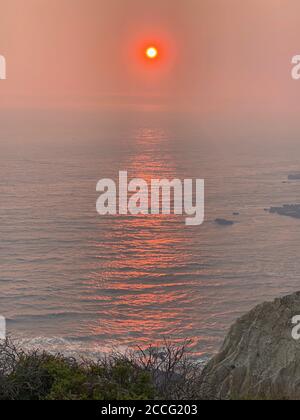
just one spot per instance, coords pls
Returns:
(151, 53)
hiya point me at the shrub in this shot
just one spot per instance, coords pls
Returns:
(143, 374)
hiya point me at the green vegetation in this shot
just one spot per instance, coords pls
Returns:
(166, 373)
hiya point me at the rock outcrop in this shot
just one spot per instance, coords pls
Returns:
(259, 359)
(224, 222)
(290, 210)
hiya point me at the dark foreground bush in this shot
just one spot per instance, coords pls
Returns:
(143, 374)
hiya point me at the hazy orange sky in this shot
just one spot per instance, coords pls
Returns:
(219, 54)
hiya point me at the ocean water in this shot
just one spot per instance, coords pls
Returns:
(75, 282)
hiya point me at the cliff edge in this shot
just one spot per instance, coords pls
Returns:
(259, 359)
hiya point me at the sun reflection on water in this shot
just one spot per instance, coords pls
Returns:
(146, 297)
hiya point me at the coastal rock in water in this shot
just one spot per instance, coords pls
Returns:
(259, 359)
(224, 222)
(290, 210)
(294, 177)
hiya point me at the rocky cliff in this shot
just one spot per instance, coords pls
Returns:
(259, 359)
